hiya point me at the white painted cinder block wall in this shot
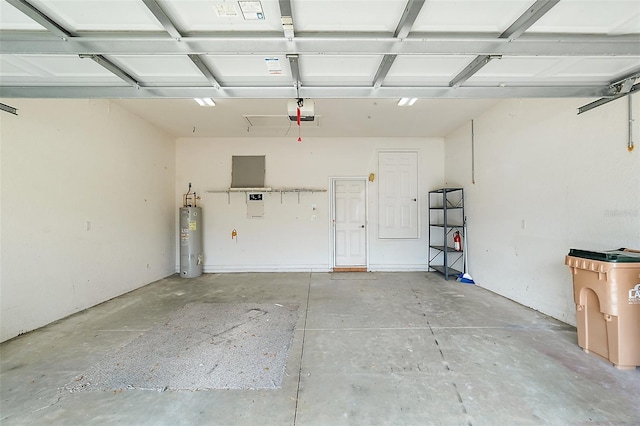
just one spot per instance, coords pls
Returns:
(87, 208)
(546, 180)
(287, 239)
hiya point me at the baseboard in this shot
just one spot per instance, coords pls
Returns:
(398, 268)
(212, 269)
(217, 269)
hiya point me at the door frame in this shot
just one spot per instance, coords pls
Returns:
(332, 215)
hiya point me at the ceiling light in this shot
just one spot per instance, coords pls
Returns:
(407, 101)
(205, 102)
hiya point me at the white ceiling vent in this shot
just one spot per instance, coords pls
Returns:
(278, 121)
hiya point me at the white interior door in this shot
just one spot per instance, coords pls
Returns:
(350, 223)
(398, 195)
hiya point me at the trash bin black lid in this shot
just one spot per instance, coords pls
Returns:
(615, 256)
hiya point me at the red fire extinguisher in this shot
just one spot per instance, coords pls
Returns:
(457, 241)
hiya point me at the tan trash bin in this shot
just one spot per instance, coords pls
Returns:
(606, 290)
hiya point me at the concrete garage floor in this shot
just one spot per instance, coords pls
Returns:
(369, 349)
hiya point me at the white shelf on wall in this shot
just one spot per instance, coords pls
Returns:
(264, 190)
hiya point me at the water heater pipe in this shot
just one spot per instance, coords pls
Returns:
(189, 197)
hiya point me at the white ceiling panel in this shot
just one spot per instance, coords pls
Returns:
(250, 70)
(162, 69)
(338, 70)
(529, 70)
(200, 16)
(12, 19)
(12, 67)
(546, 71)
(100, 15)
(48, 69)
(469, 15)
(519, 68)
(591, 17)
(429, 70)
(347, 16)
(601, 68)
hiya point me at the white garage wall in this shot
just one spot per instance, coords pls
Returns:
(287, 239)
(87, 208)
(546, 180)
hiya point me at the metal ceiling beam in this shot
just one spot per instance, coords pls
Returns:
(608, 46)
(621, 88)
(471, 69)
(163, 18)
(204, 69)
(41, 18)
(440, 92)
(411, 11)
(295, 70)
(173, 31)
(285, 8)
(383, 70)
(623, 83)
(113, 68)
(528, 18)
(286, 17)
(602, 101)
(524, 21)
(627, 85)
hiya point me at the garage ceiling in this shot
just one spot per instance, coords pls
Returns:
(364, 53)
